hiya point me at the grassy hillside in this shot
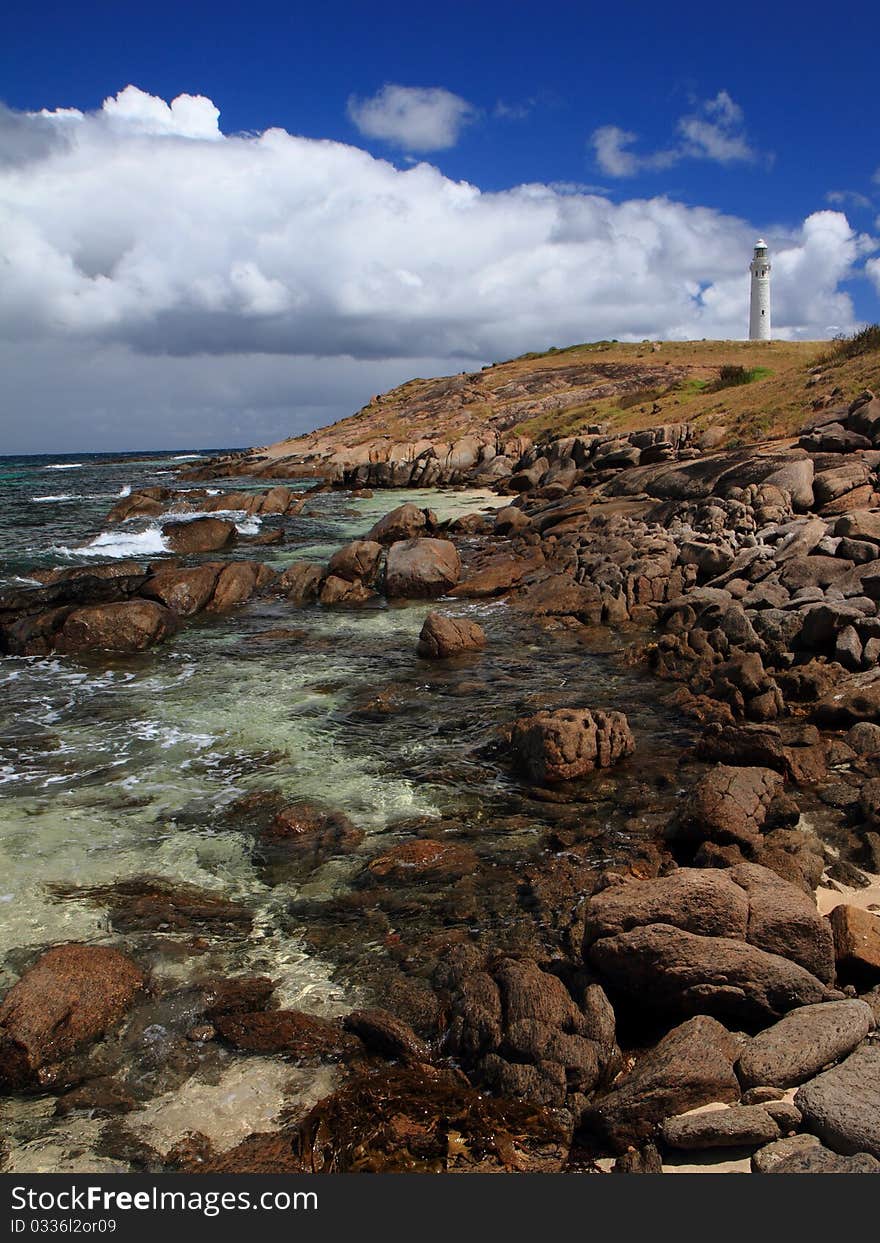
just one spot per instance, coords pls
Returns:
(755, 390)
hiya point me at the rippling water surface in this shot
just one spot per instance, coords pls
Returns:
(113, 768)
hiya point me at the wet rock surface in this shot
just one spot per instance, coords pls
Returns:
(71, 996)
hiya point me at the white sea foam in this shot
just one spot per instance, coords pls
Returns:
(121, 544)
(65, 466)
(61, 496)
(188, 457)
(125, 490)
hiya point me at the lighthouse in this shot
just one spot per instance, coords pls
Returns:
(759, 305)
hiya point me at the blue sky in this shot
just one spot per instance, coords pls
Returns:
(646, 127)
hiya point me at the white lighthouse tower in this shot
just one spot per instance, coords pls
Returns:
(759, 305)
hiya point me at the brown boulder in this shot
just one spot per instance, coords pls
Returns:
(741, 1126)
(70, 997)
(387, 1035)
(569, 743)
(669, 970)
(357, 562)
(443, 636)
(301, 582)
(237, 582)
(798, 1046)
(419, 568)
(126, 626)
(199, 535)
(783, 920)
(729, 805)
(344, 591)
(691, 1066)
(856, 944)
(183, 591)
(407, 522)
(704, 901)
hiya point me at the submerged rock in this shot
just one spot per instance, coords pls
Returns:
(70, 997)
(426, 1120)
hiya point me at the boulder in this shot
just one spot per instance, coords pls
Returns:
(740, 1126)
(387, 1035)
(199, 535)
(856, 944)
(729, 805)
(569, 743)
(443, 636)
(671, 971)
(407, 522)
(691, 1066)
(842, 1106)
(185, 591)
(344, 591)
(846, 705)
(420, 568)
(69, 998)
(511, 521)
(301, 582)
(358, 562)
(799, 1045)
(237, 582)
(783, 920)
(703, 901)
(126, 626)
(804, 1154)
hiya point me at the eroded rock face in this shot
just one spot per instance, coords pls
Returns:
(807, 1039)
(70, 997)
(421, 569)
(569, 743)
(127, 626)
(387, 1035)
(443, 636)
(199, 535)
(691, 1066)
(520, 1031)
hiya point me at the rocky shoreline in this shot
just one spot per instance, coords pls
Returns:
(638, 1000)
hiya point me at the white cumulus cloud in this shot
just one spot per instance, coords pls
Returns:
(414, 118)
(714, 131)
(249, 273)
